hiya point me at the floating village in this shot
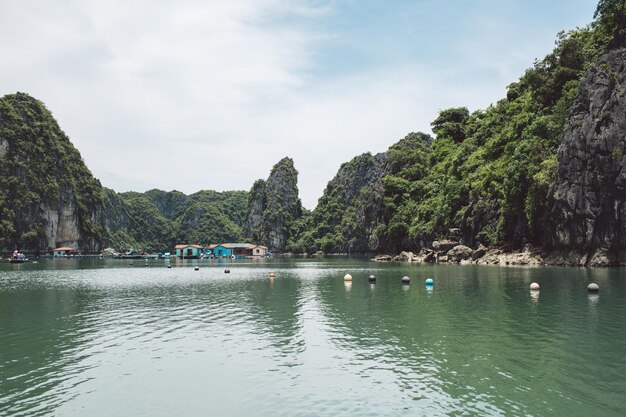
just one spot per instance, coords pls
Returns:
(181, 251)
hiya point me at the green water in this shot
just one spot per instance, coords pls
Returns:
(103, 338)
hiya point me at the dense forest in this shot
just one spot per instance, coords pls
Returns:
(157, 220)
(503, 176)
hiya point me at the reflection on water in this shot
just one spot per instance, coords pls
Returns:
(534, 295)
(103, 338)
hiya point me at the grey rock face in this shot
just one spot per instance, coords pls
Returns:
(48, 197)
(257, 203)
(587, 203)
(283, 203)
(355, 197)
(444, 245)
(60, 222)
(170, 203)
(273, 206)
(116, 213)
(479, 253)
(459, 253)
(406, 256)
(4, 147)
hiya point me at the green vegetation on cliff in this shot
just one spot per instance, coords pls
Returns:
(403, 187)
(367, 205)
(488, 173)
(348, 211)
(212, 217)
(47, 194)
(274, 207)
(157, 220)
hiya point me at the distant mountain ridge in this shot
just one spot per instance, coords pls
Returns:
(49, 198)
(157, 220)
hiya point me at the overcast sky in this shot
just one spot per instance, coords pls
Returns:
(193, 95)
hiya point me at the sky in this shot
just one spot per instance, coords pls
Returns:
(192, 95)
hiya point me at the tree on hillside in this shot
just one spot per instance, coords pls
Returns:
(610, 18)
(451, 123)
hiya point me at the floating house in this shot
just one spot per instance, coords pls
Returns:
(61, 252)
(224, 250)
(260, 251)
(242, 250)
(188, 251)
(238, 250)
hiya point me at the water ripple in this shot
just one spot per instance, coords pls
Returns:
(183, 342)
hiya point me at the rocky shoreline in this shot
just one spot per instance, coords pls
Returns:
(452, 252)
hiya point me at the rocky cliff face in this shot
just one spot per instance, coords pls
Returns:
(48, 197)
(362, 208)
(283, 203)
(170, 203)
(587, 203)
(60, 221)
(257, 203)
(351, 207)
(273, 207)
(116, 212)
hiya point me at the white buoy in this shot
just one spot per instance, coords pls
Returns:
(534, 286)
(406, 280)
(593, 287)
(227, 271)
(272, 275)
(169, 266)
(347, 277)
(197, 268)
(372, 278)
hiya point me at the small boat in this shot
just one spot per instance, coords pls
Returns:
(18, 261)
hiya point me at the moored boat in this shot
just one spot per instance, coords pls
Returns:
(18, 261)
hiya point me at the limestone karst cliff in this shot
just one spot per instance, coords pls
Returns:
(48, 196)
(349, 211)
(274, 206)
(358, 211)
(587, 204)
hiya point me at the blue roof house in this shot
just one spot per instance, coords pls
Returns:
(222, 251)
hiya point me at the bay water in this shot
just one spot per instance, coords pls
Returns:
(106, 338)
